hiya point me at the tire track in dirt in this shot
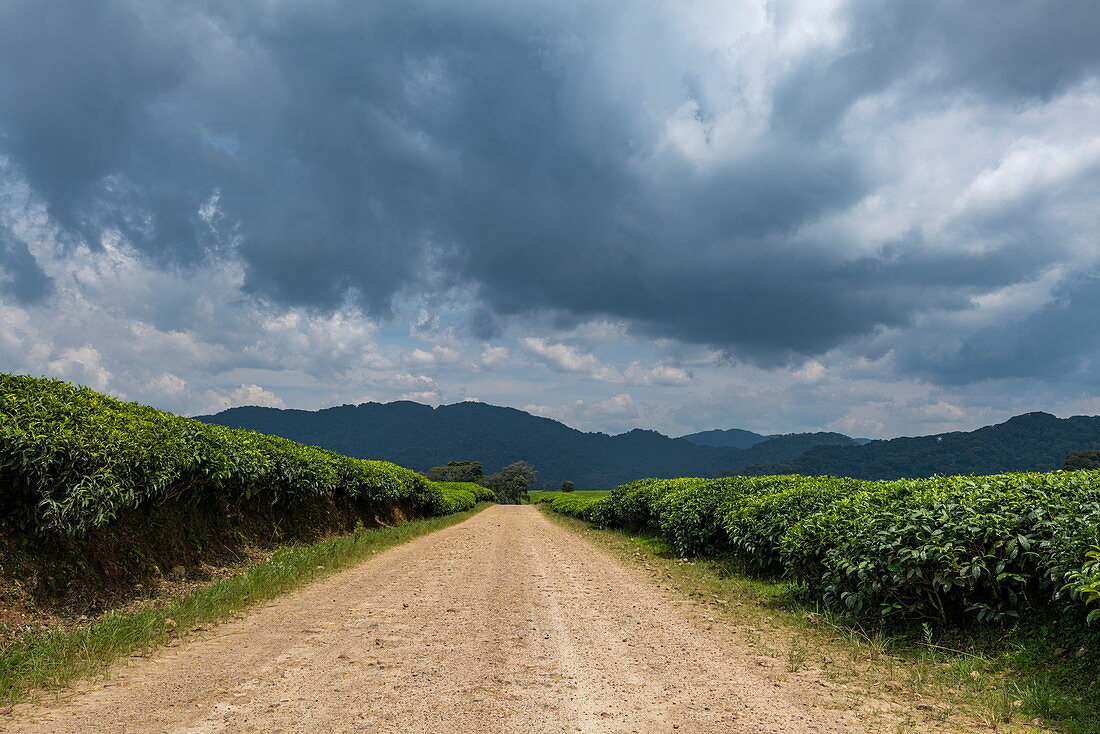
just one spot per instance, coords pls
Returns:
(503, 623)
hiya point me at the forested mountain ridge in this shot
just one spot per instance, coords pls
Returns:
(419, 436)
(1029, 442)
(737, 438)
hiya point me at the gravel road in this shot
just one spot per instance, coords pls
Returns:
(504, 623)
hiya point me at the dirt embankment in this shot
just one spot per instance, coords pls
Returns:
(48, 581)
(504, 623)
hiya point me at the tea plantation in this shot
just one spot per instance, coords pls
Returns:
(73, 460)
(938, 550)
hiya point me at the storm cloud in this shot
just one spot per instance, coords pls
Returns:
(20, 274)
(770, 180)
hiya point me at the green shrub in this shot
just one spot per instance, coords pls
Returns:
(480, 493)
(755, 525)
(1085, 583)
(635, 504)
(456, 500)
(1071, 532)
(72, 459)
(946, 547)
(585, 507)
(691, 514)
(988, 548)
(460, 496)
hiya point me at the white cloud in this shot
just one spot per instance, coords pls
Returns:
(494, 358)
(440, 355)
(941, 411)
(663, 375)
(431, 397)
(811, 371)
(1028, 168)
(408, 382)
(420, 358)
(419, 388)
(119, 324)
(598, 332)
(445, 355)
(618, 410)
(323, 345)
(168, 384)
(857, 427)
(617, 406)
(81, 365)
(243, 395)
(566, 358)
(547, 411)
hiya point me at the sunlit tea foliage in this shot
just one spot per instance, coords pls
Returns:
(987, 548)
(72, 460)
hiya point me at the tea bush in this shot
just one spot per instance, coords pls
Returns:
(72, 459)
(944, 549)
(572, 504)
(692, 514)
(946, 546)
(756, 524)
(455, 500)
(635, 504)
(460, 496)
(1086, 582)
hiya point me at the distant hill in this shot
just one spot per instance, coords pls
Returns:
(419, 436)
(1028, 442)
(737, 438)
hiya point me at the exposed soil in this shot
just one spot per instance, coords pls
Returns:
(504, 623)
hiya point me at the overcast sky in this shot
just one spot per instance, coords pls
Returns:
(880, 217)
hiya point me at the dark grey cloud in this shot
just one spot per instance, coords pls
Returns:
(1056, 342)
(20, 273)
(353, 151)
(83, 93)
(1010, 53)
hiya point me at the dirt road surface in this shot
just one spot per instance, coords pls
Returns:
(504, 623)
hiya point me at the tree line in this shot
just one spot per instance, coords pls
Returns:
(511, 484)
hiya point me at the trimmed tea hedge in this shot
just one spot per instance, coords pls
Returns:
(571, 503)
(985, 547)
(72, 459)
(459, 496)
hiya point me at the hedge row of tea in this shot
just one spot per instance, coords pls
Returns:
(72, 459)
(460, 496)
(945, 548)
